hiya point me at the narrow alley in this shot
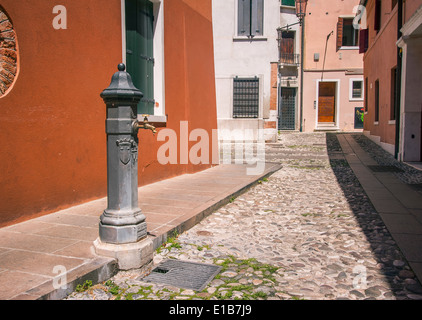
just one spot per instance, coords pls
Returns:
(309, 231)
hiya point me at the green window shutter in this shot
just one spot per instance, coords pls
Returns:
(139, 50)
(290, 3)
(244, 17)
(257, 18)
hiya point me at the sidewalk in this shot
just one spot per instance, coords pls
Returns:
(36, 254)
(399, 206)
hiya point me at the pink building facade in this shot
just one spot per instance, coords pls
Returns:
(392, 48)
(333, 82)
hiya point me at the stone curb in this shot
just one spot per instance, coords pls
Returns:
(103, 268)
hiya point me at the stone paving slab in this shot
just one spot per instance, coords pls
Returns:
(394, 200)
(38, 256)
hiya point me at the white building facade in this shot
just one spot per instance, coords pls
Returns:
(245, 45)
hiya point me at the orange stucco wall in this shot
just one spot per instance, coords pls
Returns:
(189, 63)
(379, 59)
(52, 123)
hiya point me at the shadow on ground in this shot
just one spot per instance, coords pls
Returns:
(391, 261)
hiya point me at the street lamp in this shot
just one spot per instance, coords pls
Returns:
(301, 9)
(300, 13)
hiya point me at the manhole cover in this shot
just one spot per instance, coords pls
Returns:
(385, 169)
(183, 274)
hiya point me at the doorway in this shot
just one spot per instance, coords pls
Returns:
(287, 109)
(327, 103)
(287, 47)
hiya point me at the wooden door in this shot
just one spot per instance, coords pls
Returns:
(287, 48)
(327, 102)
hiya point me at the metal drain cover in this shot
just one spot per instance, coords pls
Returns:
(385, 169)
(183, 274)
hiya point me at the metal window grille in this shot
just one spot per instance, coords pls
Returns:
(287, 109)
(290, 58)
(245, 98)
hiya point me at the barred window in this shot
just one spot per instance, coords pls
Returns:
(245, 98)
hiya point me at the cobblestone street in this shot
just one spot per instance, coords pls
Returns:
(306, 232)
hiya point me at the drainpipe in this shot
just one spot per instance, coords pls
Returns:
(301, 72)
(398, 78)
(325, 54)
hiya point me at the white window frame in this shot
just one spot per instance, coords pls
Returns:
(351, 80)
(349, 47)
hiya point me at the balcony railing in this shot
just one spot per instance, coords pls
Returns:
(290, 59)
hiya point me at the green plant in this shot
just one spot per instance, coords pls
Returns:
(108, 283)
(114, 290)
(173, 243)
(85, 286)
(170, 243)
(259, 294)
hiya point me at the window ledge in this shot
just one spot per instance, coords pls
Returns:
(376, 123)
(249, 39)
(355, 99)
(392, 122)
(349, 48)
(287, 7)
(246, 118)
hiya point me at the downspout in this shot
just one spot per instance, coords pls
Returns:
(398, 78)
(301, 72)
(325, 54)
